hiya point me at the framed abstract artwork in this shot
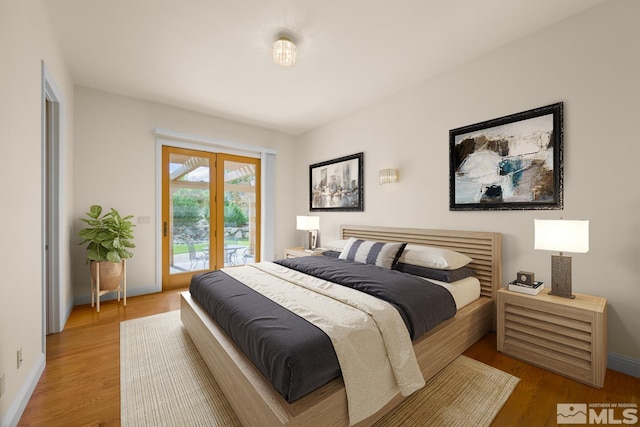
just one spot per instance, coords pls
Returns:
(337, 185)
(508, 163)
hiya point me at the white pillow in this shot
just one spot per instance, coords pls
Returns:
(336, 245)
(428, 256)
(370, 252)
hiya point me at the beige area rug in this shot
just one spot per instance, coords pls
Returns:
(165, 382)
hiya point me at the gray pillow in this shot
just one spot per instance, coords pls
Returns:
(331, 254)
(369, 252)
(436, 274)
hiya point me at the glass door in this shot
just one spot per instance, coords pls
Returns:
(188, 244)
(210, 213)
(239, 182)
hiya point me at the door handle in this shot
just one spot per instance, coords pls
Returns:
(165, 229)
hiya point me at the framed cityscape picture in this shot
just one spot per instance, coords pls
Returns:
(337, 185)
(512, 162)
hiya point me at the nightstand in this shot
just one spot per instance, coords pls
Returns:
(300, 251)
(562, 335)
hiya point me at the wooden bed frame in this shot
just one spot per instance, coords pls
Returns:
(256, 403)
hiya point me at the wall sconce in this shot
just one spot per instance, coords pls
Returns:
(310, 224)
(389, 176)
(561, 235)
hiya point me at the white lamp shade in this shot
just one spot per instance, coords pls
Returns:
(562, 235)
(307, 222)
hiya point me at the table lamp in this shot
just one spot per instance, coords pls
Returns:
(562, 236)
(310, 224)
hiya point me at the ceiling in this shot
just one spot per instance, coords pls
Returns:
(213, 56)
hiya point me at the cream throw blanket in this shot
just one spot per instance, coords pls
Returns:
(369, 336)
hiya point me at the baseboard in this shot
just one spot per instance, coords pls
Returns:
(624, 364)
(86, 299)
(68, 313)
(19, 404)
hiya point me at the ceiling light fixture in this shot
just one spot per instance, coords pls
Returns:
(284, 52)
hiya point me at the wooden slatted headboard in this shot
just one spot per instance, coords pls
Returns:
(485, 248)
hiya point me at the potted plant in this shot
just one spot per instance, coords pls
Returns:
(108, 238)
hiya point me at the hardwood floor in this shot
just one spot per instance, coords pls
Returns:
(533, 402)
(81, 383)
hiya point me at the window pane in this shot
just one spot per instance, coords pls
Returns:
(240, 212)
(189, 178)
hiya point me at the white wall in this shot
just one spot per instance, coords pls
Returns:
(115, 166)
(591, 63)
(25, 40)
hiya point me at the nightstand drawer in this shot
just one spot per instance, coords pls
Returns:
(562, 335)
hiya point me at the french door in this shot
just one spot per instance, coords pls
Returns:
(210, 213)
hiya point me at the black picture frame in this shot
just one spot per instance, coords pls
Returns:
(509, 163)
(337, 185)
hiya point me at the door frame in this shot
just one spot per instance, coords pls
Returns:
(51, 217)
(212, 145)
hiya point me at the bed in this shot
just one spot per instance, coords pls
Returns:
(256, 402)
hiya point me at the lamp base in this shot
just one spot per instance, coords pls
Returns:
(561, 276)
(310, 242)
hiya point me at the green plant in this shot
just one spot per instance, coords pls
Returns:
(108, 237)
(190, 205)
(234, 215)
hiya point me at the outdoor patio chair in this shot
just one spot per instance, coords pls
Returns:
(248, 256)
(194, 257)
